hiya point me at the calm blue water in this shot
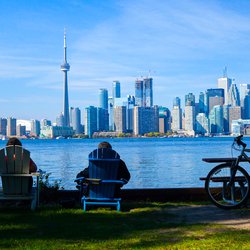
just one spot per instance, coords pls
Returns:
(153, 163)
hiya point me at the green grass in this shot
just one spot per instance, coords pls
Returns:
(140, 226)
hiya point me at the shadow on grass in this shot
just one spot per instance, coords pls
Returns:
(140, 225)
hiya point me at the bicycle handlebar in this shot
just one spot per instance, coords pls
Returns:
(239, 141)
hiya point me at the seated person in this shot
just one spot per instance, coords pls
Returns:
(123, 173)
(13, 141)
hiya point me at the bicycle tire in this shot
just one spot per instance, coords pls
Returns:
(218, 190)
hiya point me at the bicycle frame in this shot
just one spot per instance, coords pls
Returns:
(242, 157)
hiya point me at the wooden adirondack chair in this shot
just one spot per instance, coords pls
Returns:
(103, 170)
(14, 171)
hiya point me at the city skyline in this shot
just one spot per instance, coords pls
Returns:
(184, 46)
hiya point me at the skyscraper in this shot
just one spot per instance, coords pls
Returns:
(176, 115)
(233, 95)
(90, 118)
(144, 92)
(11, 126)
(116, 89)
(214, 97)
(75, 114)
(65, 67)
(225, 83)
(103, 98)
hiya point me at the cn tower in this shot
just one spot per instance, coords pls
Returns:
(65, 68)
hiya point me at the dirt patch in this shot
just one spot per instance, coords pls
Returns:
(238, 218)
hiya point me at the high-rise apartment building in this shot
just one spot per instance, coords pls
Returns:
(3, 126)
(75, 118)
(146, 119)
(90, 120)
(65, 67)
(144, 92)
(35, 128)
(11, 126)
(176, 115)
(234, 114)
(102, 119)
(190, 119)
(120, 119)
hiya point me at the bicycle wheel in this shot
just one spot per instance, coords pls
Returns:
(221, 193)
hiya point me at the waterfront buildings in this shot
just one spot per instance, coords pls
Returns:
(146, 120)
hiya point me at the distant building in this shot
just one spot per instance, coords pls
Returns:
(56, 131)
(233, 96)
(75, 120)
(202, 124)
(146, 119)
(144, 92)
(45, 122)
(116, 89)
(164, 119)
(176, 115)
(120, 119)
(234, 114)
(103, 99)
(190, 119)
(216, 120)
(20, 131)
(3, 126)
(102, 119)
(35, 128)
(225, 83)
(90, 120)
(213, 98)
(11, 126)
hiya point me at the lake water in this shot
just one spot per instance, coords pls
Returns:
(152, 162)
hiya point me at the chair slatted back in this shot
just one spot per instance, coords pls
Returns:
(103, 164)
(3, 165)
(16, 161)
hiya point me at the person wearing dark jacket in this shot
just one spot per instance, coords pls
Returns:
(123, 173)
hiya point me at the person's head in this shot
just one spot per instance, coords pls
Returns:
(13, 141)
(104, 144)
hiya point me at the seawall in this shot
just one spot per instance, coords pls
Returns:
(156, 194)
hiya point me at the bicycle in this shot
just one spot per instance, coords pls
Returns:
(228, 184)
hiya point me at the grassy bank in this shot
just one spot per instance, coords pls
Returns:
(139, 226)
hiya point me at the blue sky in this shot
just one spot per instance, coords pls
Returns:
(184, 44)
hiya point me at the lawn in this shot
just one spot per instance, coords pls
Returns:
(139, 226)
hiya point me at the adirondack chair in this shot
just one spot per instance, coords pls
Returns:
(14, 171)
(103, 170)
